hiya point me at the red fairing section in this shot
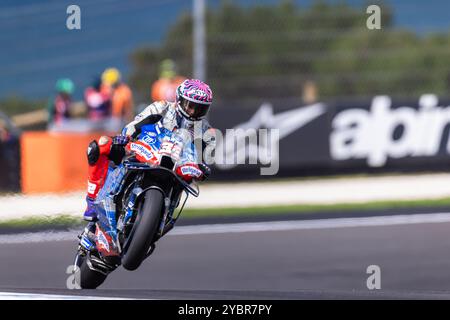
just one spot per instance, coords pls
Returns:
(189, 172)
(104, 243)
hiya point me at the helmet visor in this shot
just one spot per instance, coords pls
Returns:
(194, 110)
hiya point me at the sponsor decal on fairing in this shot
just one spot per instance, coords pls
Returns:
(149, 138)
(101, 238)
(190, 170)
(142, 150)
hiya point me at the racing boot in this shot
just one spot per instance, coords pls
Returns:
(90, 214)
(87, 238)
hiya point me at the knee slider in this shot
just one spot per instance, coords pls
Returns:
(93, 152)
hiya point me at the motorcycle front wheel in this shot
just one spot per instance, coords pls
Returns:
(144, 229)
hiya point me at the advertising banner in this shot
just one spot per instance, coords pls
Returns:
(381, 134)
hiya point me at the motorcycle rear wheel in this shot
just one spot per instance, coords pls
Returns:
(87, 278)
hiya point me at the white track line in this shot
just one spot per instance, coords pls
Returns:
(313, 224)
(251, 227)
(39, 296)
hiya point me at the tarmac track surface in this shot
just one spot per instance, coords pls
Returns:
(303, 263)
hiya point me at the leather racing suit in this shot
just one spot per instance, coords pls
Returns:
(105, 150)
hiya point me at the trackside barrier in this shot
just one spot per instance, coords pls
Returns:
(54, 162)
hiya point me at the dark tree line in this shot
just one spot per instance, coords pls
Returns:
(270, 52)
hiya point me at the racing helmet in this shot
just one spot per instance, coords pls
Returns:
(194, 97)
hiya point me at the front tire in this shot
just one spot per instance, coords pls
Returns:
(144, 230)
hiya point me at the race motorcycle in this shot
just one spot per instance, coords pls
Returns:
(137, 203)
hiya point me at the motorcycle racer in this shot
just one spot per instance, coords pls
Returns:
(193, 100)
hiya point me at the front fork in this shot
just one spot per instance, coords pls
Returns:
(168, 222)
(169, 207)
(130, 208)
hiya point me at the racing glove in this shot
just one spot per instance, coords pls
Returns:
(206, 171)
(120, 140)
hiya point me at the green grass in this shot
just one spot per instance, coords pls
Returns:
(64, 221)
(378, 205)
(61, 221)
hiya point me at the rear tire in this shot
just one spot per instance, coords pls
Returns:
(144, 230)
(87, 278)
